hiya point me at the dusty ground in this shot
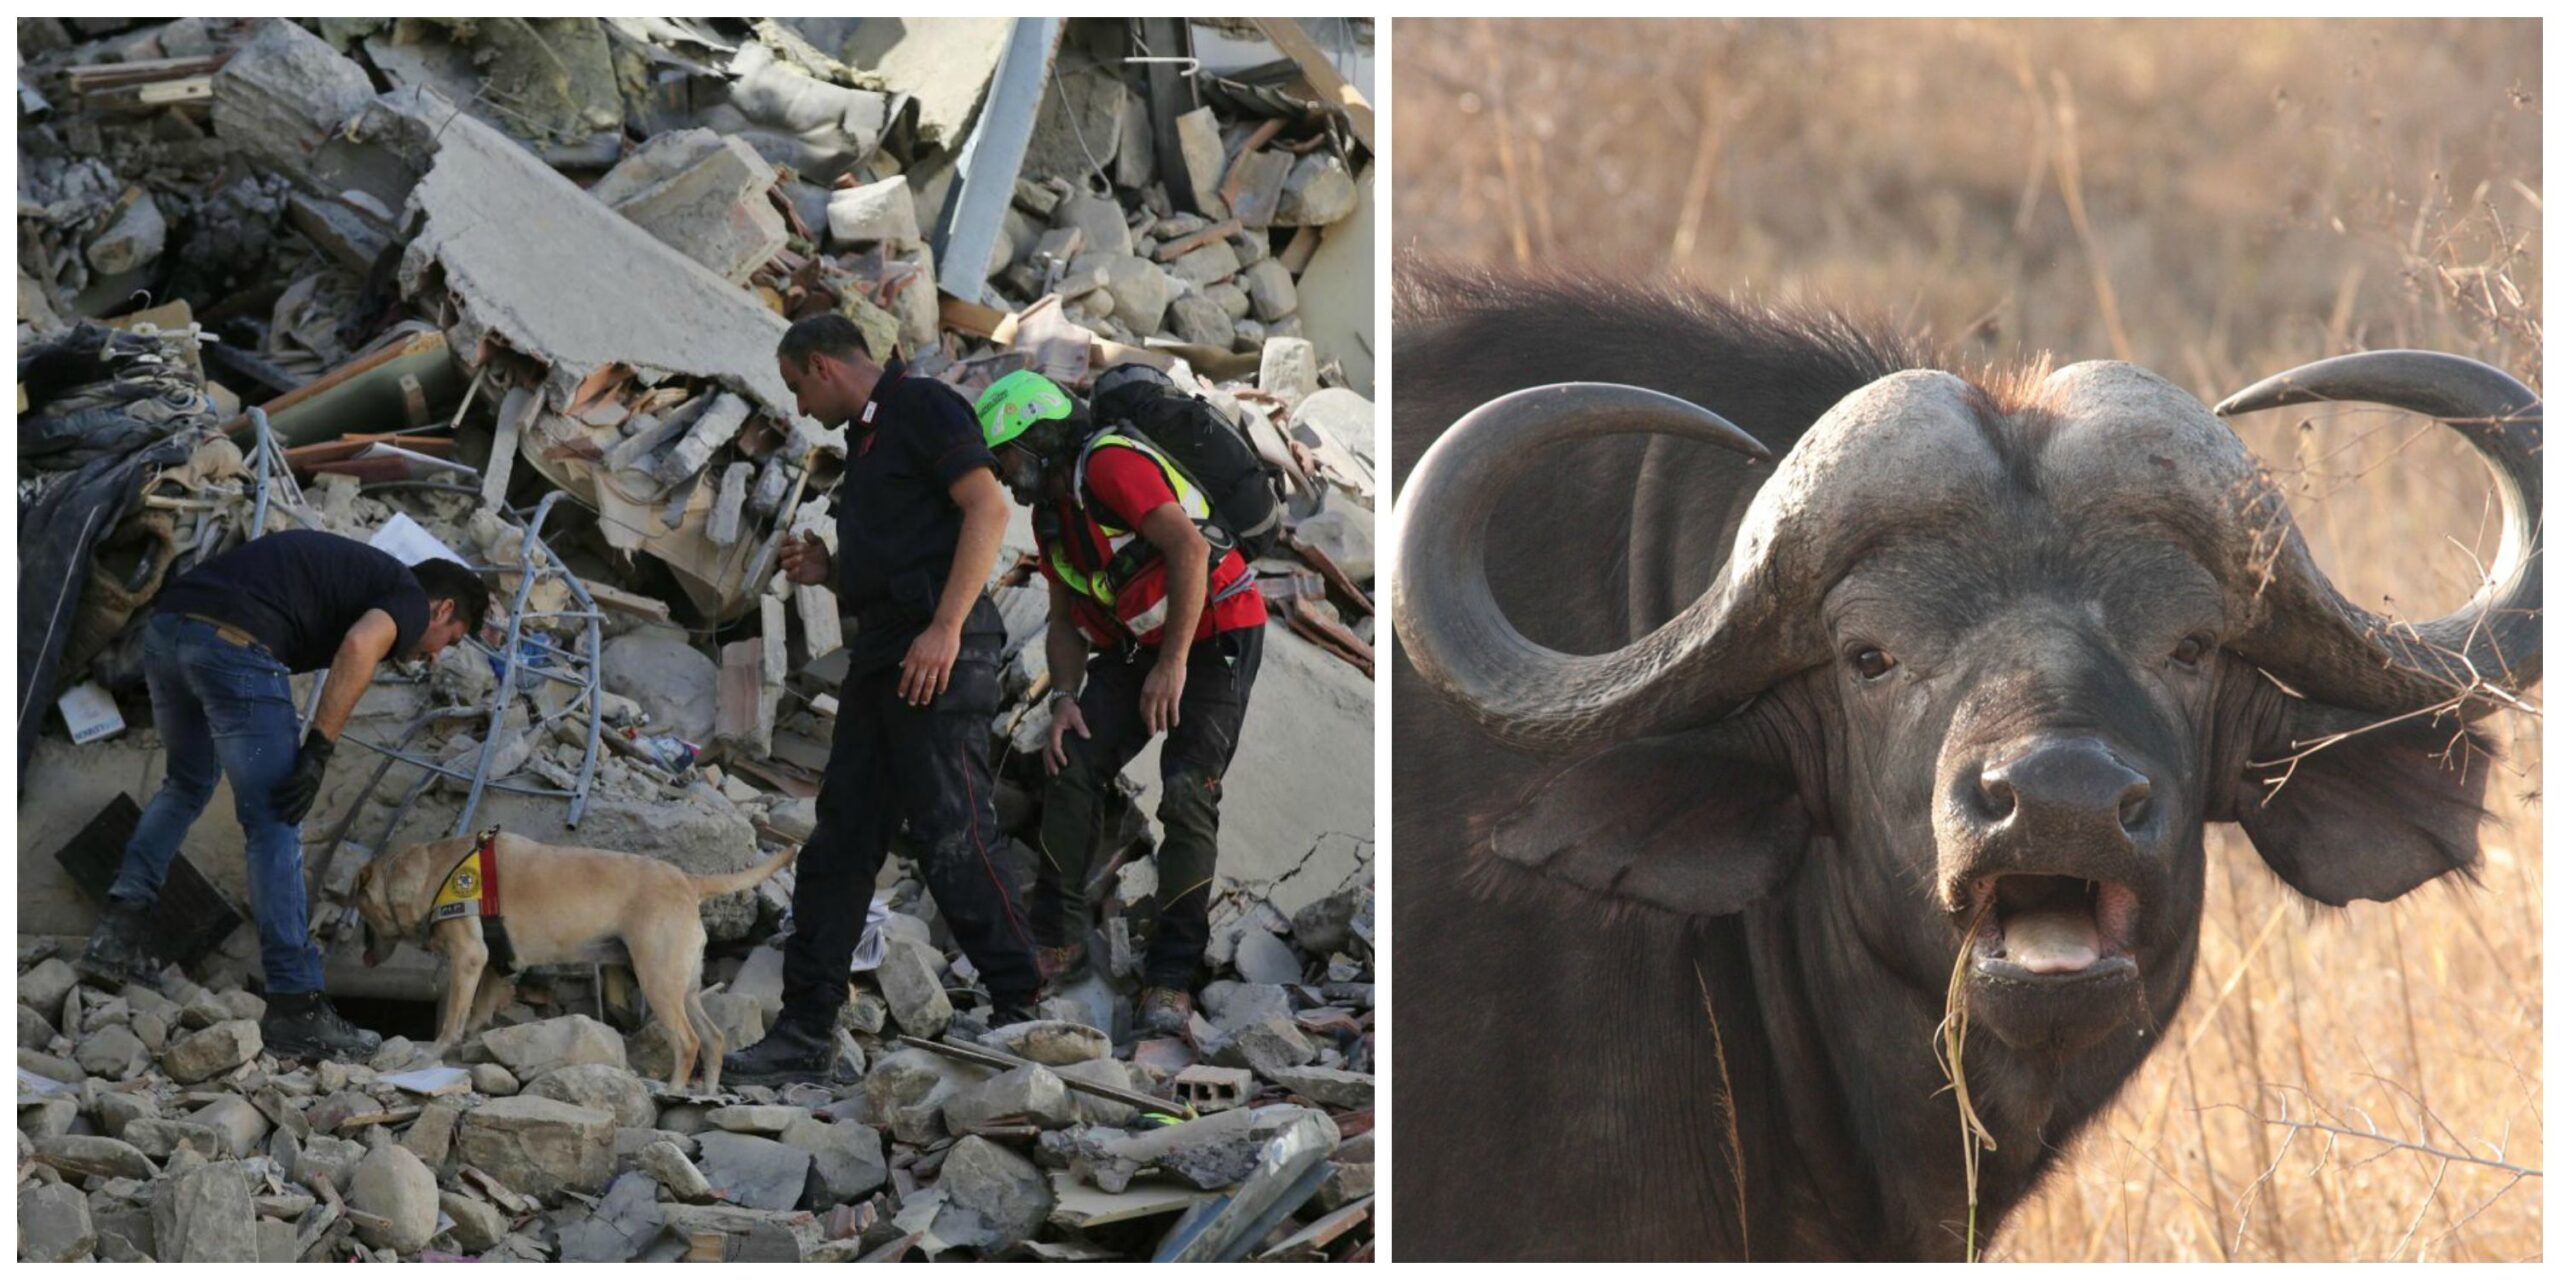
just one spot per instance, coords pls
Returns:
(2217, 201)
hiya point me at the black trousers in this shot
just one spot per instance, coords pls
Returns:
(926, 766)
(1216, 685)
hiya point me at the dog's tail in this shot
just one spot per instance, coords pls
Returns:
(735, 881)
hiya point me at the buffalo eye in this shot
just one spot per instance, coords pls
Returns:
(1871, 662)
(2191, 650)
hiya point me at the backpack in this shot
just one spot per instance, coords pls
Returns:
(1212, 453)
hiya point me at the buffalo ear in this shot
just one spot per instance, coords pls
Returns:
(1662, 822)
(2371, 815)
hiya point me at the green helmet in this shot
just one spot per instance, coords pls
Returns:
(1017, 400)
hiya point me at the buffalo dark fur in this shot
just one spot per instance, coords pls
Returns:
(1583, 1073)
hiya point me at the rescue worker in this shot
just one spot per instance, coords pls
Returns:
(1152, 630)
(920, 520)
(219, 651)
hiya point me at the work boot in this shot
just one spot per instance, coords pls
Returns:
(1058, 962)
(1165, 1011)
(790, 1053)
(119, 949)
(304, 1025)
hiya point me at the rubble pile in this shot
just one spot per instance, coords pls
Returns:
(152, 1126)
(508, 291)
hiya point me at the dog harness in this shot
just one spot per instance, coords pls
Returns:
(471, 889)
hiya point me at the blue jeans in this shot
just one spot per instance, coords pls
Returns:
(225, 706)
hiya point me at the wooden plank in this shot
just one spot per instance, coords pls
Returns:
(970, 319)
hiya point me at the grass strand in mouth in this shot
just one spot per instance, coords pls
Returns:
(1948, 1045)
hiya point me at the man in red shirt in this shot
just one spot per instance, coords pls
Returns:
(1155, 627)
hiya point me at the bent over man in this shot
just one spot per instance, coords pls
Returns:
(1153, 629)
(219, 653)
(920, 520)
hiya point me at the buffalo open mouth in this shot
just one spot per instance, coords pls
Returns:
(2050, 930)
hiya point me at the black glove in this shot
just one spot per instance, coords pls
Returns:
(294, 795)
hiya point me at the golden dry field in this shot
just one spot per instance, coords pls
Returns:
(2218, 201)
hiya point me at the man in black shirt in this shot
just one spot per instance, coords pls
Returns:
(218, 653)
(921, 519)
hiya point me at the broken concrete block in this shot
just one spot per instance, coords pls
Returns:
(821, 619)
(1195, 318)
(1204, 160)
(1206, 265)
(599, 1086)
(284, 93)
(846, 1161)
(1098, 219)
(538, 1146)
(666, 1162)
(212, 1051)
(44, 987)
(729, 509)
(1273, 293)
(993, 1199)
(477, 1225)
(1347, 534)
(716, 426)
(1266, 1046)
(1320, 192)
(758, 1173)
(1263, 958)
(674, 683)
(1049, 1043)
(906, 1091)
(53, 1224)
(1288, 369)
(1327, 1085)
(532, 1048)
(133, 240)
(1231, 299)
(399, 1191)
(204, 1215)
(1140, 290)
(908, 978)
(883, 210)
(703, 195)
(1028, 1094)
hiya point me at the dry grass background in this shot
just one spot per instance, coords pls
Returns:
(2218, 201)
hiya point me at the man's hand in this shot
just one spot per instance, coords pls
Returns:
(1068, 716)
(928, 668)
(294, 796)
(806, 560)
(1160, 698)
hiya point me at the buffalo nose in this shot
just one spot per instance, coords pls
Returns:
(2063, 787)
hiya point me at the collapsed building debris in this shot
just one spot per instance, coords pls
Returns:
(508, 292)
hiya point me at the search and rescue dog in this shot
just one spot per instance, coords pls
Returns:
(551, 904)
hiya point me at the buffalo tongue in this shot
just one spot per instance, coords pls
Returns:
(2058, 941)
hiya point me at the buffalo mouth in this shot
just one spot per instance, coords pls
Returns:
(2053, 930)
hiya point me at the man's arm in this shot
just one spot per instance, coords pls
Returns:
(1064, 643)
(1186, 591)
(368, 642)
(983, 511)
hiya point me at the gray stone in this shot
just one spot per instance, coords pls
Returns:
(494, 1080)
(1197, 319)
(51, 1067)
(763, 1119)
(1096, 1110)
(1348, 534)
(1323, 927)
(279, 1241)
(328, 1159)
(43, 987)
(883, 210)
(628, 1221)
(212, 1051)
(34, 1030)
(1049, 1042)
(1140, 290)
(1253, 244)
(430, 1136)
(1271, 291)
(914, 991)
(1232, 1006)
(395, 1186)
(1326, 1085)
(116, 1110)
(49, 1117)
(1105, 227)
(1288, 369)
(703, 195)
(539, 1146)
(1267, 1045)
(89, 1155)
(666, 1162)
(1030, 1093)
(760, 980)
(533, 1048)
(1204, 266)
(795, 818)
(844, 1158)
(906, 1091)
(1232, 299)
(115, 1052)
(158, 1138)
(477, 1225)
(204, 1215)
(1320, 192)
(53, 1224)
(993, 1199)
(757, 1173)
(676, 684)
(1203, 160)
(602, 1087)
(244, 1128)
(1263, 958)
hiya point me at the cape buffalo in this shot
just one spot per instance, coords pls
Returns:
(1749, 672)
